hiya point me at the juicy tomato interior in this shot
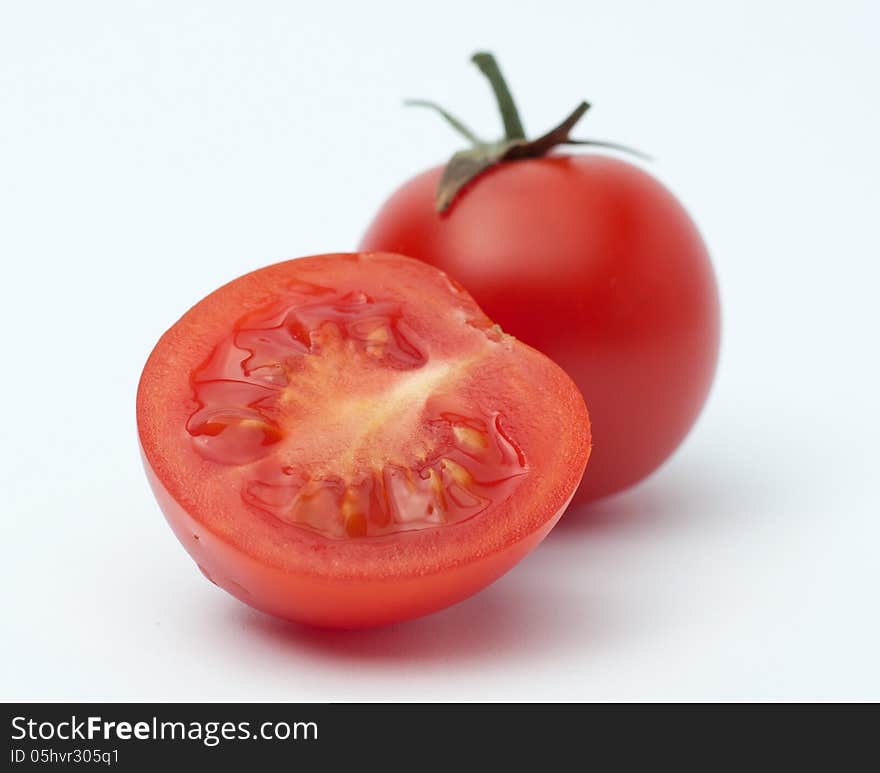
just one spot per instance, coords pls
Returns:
(335, 438)
(386, 449)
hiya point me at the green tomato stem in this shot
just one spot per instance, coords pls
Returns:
(513, 128)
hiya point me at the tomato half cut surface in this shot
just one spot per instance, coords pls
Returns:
(347, 440)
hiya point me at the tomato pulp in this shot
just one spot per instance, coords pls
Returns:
(593, 262)
(348, 440)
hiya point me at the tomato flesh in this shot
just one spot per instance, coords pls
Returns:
(332, 460)
(341, 427)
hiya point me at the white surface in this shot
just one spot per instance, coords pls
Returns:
(151, 151)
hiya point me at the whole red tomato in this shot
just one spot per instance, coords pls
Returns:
(585, 257)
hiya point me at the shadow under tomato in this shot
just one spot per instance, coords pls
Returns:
(531, 609)
(652, 504)
(519, 613)
(678, 498)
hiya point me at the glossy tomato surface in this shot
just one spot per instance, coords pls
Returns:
(593, 262)
(348, 440)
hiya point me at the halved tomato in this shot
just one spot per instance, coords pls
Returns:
(347, 440)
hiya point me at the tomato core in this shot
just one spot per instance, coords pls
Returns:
(393, 455)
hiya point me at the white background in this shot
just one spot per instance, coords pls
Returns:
(150, 151)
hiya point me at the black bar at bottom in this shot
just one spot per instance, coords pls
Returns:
(123, 736)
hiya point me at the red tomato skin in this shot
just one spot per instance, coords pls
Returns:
(592, 261)
(312, 601)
